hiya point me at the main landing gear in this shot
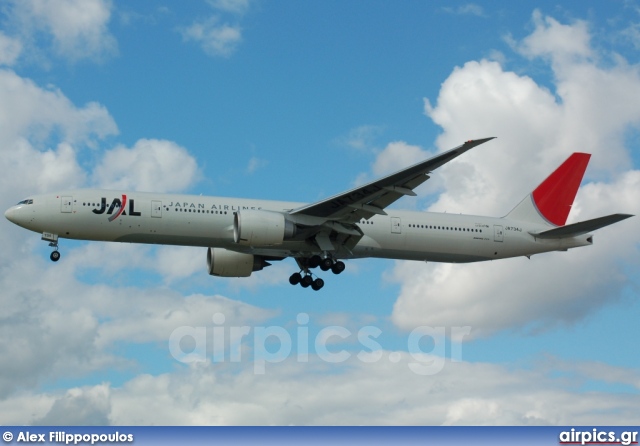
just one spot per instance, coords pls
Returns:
(305, 277)
(306, 281)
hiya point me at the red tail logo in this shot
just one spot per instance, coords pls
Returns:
(555, 195)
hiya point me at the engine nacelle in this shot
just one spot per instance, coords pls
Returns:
(261, 228)
(224, 263)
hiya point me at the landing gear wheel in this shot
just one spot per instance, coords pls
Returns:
(317, 284)
(338, 267)
(326, 264)
(314, 261)
(55, 256)
(295, 278)
(306, 281)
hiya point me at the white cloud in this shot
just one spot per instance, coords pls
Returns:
(216, 39)
(481, 100)
(43, 333)
(233, 6)
(564, 43)
(10, 49)
(42, 132)
(466, 9)
(597, 371)
(80, 407)
(536, 133)
(179, 262)
(618, 196)
(158, 313)
(632, 34)
(360, 138)
(395, 156)
(78, 28)
(255, 163)
(109, 258)
(150, 165)
(398, 155)
(354, 393)
(31, 171)
(46, 333)
(29, 111)
(57, 326)
(217, 36)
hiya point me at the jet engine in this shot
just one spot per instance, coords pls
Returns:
(261, 228)
(224, 263)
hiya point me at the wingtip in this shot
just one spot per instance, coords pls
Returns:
(480, 141)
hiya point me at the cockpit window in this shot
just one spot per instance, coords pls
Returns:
(28, 201)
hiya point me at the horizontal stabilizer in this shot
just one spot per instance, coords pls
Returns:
(582, 227)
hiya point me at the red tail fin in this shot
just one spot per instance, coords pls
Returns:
(555, 195)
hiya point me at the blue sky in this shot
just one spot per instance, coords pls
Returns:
(298, 101)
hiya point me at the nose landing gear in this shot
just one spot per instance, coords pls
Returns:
(53, 243)
(55, 255)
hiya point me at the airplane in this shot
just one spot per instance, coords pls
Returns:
(243, 236)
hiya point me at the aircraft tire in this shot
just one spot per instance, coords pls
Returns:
(326, 264)
(314, 261)
(295, 278)
(306, 281)
(317, 284)
(338, 267)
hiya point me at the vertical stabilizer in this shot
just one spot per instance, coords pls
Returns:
(551, 201)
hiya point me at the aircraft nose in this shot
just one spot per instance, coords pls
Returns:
(17, 216)
(10, 214)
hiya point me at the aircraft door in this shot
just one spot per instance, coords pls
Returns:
(66, 204)
(396, 225)
(156, 209)
(498, 235)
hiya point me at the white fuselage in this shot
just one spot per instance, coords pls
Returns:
(190, 220)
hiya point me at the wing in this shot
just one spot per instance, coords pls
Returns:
(371, 198)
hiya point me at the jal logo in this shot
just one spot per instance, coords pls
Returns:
(118, 206)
